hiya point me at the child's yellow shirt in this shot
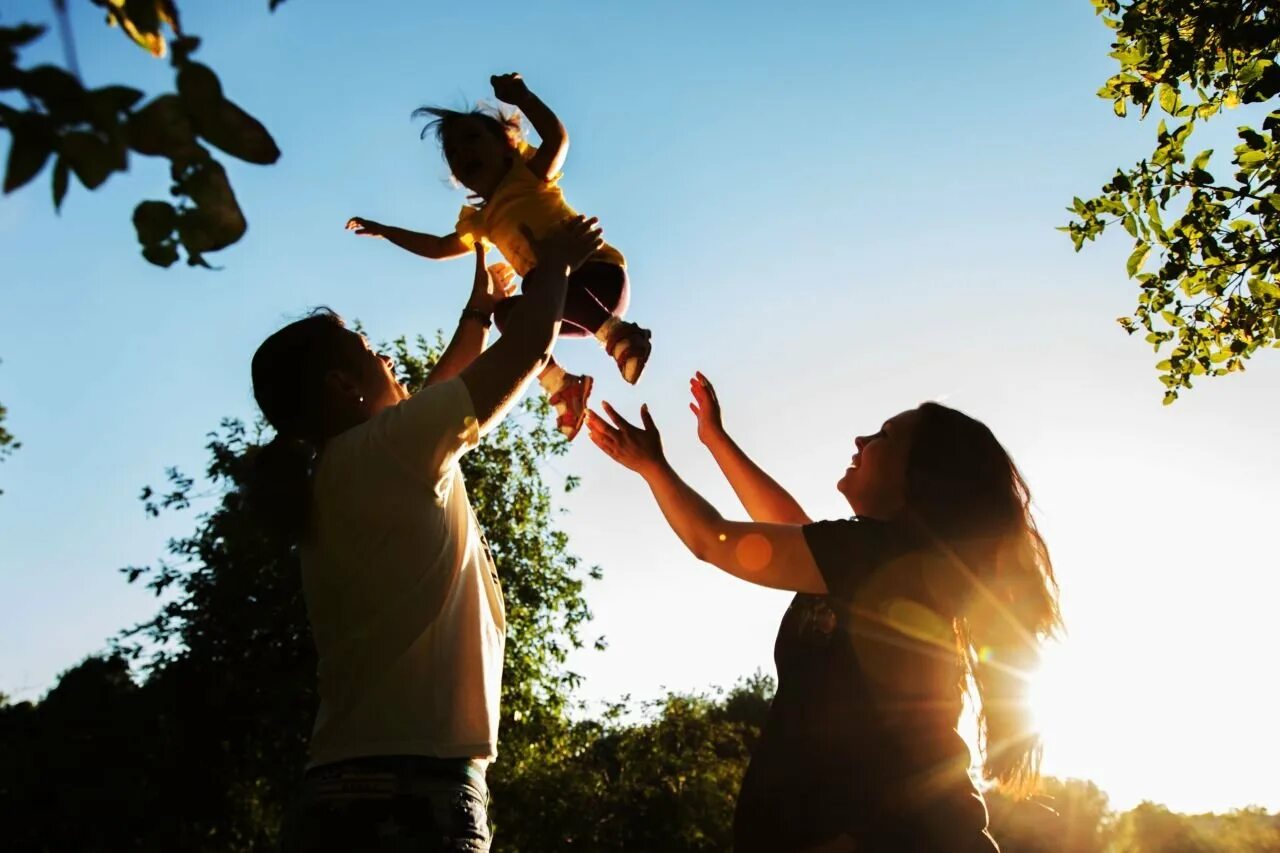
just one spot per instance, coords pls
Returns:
(522, 198)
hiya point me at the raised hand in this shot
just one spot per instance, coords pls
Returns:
(510, 88)
(706, 407)
(630, 446)
(366, 227)
(492, 284)
(571, 243)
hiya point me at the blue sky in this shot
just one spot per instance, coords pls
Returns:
(835, 212)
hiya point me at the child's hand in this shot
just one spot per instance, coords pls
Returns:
(706, 407)
(569, 244)
(492, 284)
(366, 227)
(510, 88)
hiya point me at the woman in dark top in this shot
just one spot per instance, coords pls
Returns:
(940, 578)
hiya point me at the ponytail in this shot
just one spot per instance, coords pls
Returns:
(278, 491)
(289, 372)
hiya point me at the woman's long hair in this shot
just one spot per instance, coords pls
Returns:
(970, 500)
(289, 371)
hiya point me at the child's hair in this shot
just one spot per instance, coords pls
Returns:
(506, 126)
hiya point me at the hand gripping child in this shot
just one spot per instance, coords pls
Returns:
(516, 192)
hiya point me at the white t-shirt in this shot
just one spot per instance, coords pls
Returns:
(401, 589)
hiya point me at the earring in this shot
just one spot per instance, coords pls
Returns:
(362, 399)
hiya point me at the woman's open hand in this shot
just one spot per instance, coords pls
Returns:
(639, 449)
(706, 408)
(492, 284)
(567, 245)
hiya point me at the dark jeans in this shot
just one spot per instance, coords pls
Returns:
(597, 291)
(389, 804)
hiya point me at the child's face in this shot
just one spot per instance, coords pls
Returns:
(476, 155)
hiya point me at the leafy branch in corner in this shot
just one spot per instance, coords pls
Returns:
(91, 132)
(1206, 251)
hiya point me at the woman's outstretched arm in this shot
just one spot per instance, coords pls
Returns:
(772, 555)
(499, 375)
(487, 290)
(761, 495)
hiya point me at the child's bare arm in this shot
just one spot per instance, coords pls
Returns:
(426, 245)
(549, 159)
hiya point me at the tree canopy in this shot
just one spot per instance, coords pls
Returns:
(1206, 233)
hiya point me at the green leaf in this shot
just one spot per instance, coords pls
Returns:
(61, 180)
(143, 15)
(91, 158)
(199, 88)
(112, 100)
(161, 254)
(28, 153)
(1169, 99)
(1201, 160)
(162, 128)
(236, 132)
(1252, 158)
(58, 89)
(1135, 260)
(217, 221)
(154, 221)
(12, 37)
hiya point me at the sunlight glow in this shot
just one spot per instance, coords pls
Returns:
(753, 552)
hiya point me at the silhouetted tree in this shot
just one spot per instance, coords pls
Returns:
(665, 782)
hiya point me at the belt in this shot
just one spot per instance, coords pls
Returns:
(386, 776)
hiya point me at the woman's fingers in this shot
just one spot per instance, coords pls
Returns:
(621, 423)
(706, 385)
(647, 419)
(598, 426)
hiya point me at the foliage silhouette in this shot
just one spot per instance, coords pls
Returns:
(90, 132)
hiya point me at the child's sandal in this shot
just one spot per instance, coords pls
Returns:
(570, 403)
(629, 346)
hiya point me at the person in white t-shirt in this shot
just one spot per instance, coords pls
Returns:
(402, 593)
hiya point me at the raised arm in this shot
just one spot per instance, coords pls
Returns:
(772, 555)
(762, 497)
(554, 138)
(427, 245)
(498, 377)
(487, 290)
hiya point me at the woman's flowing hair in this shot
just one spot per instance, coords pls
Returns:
(970, 500)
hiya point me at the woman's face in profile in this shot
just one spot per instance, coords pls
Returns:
(377, 378)
(875, 482)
